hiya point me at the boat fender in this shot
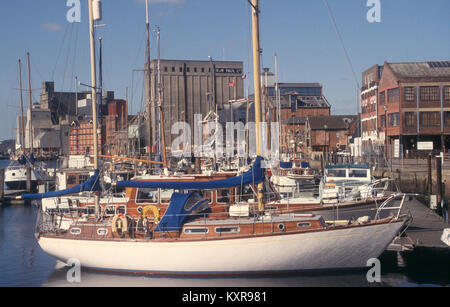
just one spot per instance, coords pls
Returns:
(152, 209)
(119, 224)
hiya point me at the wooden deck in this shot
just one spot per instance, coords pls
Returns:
(424, 231)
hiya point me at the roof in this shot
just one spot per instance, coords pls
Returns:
(334, 122)
(299, 120)
(437, 69)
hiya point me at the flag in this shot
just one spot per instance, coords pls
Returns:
(232, 83)
(244, 76)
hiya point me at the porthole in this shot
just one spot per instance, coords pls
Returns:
(102, 231)
(195, 230)
(227, 229)
(281, 227)
(75, 231)
(304, 225)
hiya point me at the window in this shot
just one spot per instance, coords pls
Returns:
(165, 68)
(166, 195)
(203, 69)
(223, 196)
(429, 93)
(336, 173)
(196, 230)
(393, 95)
(382, 97)
(358, 173)
(89, 210)
(195, 69)
(227, 230)
(147, 196)
(181, 69)
(430, 119)
(71, 179)
(446, 92)
(304, 225)
(188, 69)
(383, 121)
(409, 93)
(394, 120)
(173, 69)
(102, 231)
(447, 119)
(410, 119)
(75, 231)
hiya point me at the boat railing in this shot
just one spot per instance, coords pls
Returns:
(392, 207)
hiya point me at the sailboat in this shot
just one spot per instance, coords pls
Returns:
(190, 239)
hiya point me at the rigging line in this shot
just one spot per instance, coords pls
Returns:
(74, 57)
(68, 56)
(59, 52)
(342, 42)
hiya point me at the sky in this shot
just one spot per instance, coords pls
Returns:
(300, 32)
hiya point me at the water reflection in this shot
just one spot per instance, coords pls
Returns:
(94, 279)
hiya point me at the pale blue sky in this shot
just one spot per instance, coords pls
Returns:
(299, 31)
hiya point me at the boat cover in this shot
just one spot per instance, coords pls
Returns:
(361, 166)
(181, 208)
(92, 184)
(254, 175)
(285, 164)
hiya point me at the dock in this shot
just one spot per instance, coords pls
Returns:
(425, 230)
(9, 198)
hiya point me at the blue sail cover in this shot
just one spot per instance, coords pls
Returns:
(285, 164)
(253, 176)
(181, 207)
(92, 184)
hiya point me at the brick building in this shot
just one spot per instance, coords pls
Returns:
(327, 133)
(369, 107)
(81, 140)
(414, 105)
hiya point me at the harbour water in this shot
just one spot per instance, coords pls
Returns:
(23, 263)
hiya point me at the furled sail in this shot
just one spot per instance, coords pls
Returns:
(90, 185)
(253, 176)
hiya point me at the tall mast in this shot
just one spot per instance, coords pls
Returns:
(22, 125)
(257, 88)
(277, 99)
(161, 115)
(94, 98)
(30, 106)
(149, 109)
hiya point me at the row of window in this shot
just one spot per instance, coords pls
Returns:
(426, 93)
(198, 230)
(188, 69)
(234, 229)
(426, 119)
(153, 196)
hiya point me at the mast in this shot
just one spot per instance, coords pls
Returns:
(149, 109)
(22, 125)
(30, 106)
(94, 98)
(257, 88)
(277, 99)
(161, 115)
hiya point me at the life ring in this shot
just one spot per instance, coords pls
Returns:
(154, 210)
(119, 224)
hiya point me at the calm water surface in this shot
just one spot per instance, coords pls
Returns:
(23, 263)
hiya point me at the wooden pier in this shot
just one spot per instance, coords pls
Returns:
(9, 198)
(425, 231)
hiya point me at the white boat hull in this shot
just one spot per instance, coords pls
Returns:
(336, 249)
